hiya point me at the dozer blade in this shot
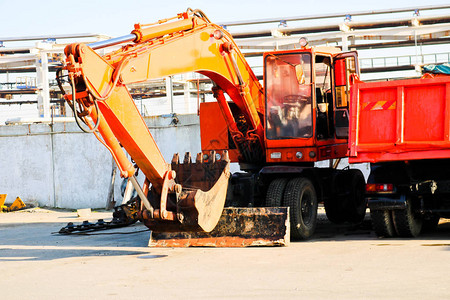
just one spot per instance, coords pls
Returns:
(202, 198)
(237, 227)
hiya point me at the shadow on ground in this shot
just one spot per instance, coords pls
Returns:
(10, 254)
(38, 241)
(326, 230)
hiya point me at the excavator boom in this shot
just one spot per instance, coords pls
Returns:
(174, 197)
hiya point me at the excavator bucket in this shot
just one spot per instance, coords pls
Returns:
(202, 220)
(201, 200)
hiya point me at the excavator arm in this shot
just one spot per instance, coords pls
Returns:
(176, 197)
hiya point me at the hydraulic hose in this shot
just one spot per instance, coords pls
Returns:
(199, 13)
(58, 80)
(75, 111)
(73, 106)
(78, 120)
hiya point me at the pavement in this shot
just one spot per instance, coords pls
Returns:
(339, 262)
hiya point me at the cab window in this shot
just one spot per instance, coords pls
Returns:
(288, 96)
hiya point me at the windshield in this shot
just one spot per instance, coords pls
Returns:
(288, 96)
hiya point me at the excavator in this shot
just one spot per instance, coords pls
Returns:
(276, 132)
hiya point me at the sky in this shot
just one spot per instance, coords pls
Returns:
(116, 18)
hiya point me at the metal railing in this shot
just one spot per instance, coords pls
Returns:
(406, 60)
(22, 83)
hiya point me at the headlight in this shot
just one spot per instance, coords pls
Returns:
(275, 155)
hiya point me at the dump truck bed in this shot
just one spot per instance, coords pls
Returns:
(400, 120)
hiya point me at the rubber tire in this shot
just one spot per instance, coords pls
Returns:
(275, 191)
(382, 223)
(299, 193)
(348, 202)
(430, 224)
(334, 211)
(356, 203)
(334, 206)
(405, 222)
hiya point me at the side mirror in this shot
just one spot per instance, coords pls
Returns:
(340, 73)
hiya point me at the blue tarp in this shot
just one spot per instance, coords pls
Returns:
(438, 69)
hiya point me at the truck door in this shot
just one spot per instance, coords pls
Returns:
(324, 97)
(345, 64)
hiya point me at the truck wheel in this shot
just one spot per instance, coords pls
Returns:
(382, 223)
(406, 222)
(334, 210)
(335, 204)
(275, 191)
(356, 204)
(300, 196)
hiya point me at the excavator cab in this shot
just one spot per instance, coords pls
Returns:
(307, 92)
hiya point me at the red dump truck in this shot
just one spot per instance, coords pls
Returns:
(403, 129)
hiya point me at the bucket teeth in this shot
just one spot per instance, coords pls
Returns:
(199, 159)
(212, 156)
(225, 155)
(175, 159)
(187, 158)
(201, 196)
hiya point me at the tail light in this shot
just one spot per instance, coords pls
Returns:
(380, 188)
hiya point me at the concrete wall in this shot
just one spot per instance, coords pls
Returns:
(8, 111)
(59, 166)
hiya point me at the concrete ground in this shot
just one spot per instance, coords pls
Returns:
(338, 263)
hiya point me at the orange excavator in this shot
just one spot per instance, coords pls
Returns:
(276, 133)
